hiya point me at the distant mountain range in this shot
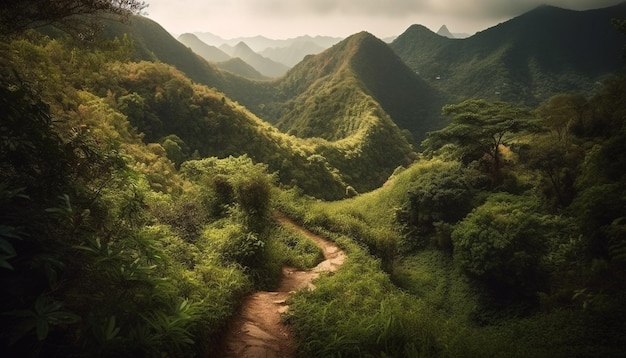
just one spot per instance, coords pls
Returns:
(208, 52)
(264, 65)
(261, 43)
(362, 101)
(443, 31)
(293, 53)
(268, 63)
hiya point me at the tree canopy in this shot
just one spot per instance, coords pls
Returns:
(19, 15)
(479, 128)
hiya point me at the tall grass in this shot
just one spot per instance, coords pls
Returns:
(359, 312)
(382, 304)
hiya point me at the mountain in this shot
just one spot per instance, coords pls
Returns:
(525, 60)
(367, 146)
(208, 52)
(227, 49)
(220, 58)
(261, 43)
(210, 39)
(293, 53)
(151, 42)
(241, 68)
(443, 31)
(262, 64)
(352, 96)
(326, 95)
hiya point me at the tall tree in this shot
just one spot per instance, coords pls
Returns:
(479, 128)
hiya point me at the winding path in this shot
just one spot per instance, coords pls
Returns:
(257, 331)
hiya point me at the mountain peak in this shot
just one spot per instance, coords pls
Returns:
(242, 46)
(360, 36)
(208, 52)
(443, 31)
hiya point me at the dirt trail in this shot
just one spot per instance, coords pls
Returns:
(257, 330)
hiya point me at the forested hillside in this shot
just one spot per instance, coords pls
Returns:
(138, 196)
(524, 60)
(345, 126)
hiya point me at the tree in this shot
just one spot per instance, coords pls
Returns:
(563, 111)
(19, 15)
(500, 245)
(479, 128)
(440, 195)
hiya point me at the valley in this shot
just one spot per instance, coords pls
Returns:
(167, 197)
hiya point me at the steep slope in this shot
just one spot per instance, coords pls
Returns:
(240, 67)
(526, 59)
(152, 42)
(293, 53)
(411, 102)
(262, 64)
(350, 139)
(326, 95)
(208, 52)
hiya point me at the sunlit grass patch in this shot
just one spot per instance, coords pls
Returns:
(294, 249)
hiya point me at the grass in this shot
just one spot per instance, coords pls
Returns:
(381, 304)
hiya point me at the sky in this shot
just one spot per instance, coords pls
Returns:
(280, 19)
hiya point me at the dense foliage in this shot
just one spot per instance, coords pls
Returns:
(136, 213)
(532, 264)
(106, 248)
(524, 60)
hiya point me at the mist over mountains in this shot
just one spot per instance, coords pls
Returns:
(261, 43)
(270, 58)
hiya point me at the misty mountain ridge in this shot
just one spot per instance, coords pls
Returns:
(264, 65)
(261, 43)
(293, 53)
(208, 52)
(287, 52)
(240, 67)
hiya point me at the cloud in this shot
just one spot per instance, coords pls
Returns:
(283, 18)
(345, 7)
(403, 8)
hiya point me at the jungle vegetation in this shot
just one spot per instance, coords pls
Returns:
(136, 213)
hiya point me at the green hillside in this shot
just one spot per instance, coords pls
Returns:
(345, 125)
(140, 208)
(524, 60)
(326, 95)
(241, 68)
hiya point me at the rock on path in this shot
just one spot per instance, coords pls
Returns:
(258, 331)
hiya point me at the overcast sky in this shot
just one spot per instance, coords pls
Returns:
(281, 19)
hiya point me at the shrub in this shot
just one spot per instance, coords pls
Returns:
(501, 244)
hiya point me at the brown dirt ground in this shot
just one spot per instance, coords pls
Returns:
(258, 331)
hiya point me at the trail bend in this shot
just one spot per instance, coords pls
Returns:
(257, 330)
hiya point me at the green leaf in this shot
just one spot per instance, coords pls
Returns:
(42, 329)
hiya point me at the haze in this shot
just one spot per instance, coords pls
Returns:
(288, 18)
